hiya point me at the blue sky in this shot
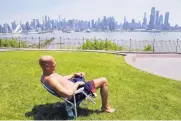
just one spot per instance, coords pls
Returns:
(22, 10)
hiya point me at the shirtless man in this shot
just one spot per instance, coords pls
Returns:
(66, 88)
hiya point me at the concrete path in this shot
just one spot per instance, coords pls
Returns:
(2, 50)
(168, 65)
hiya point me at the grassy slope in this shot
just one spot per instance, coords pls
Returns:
(134, 94)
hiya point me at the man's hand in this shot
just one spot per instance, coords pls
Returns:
(80, 74)
(81, 83)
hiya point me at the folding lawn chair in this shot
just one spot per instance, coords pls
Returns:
(80, 95)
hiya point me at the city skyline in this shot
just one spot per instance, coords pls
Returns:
(86, 10)
(157, 22)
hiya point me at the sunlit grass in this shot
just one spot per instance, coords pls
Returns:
(134, 94)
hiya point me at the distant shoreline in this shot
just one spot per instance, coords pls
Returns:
(141, 31)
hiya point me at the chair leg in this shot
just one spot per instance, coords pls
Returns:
(69, 111)
(89, 98)
(75, 107)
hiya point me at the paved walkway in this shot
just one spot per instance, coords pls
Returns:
(2, 50)
(168, 65)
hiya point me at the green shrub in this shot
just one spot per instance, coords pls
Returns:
(87, 45)
(100, 45)
(9, 43)
(22, 44)
(46, 42)
(148, 48)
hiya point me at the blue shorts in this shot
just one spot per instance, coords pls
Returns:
(89, 88)
(88, 85)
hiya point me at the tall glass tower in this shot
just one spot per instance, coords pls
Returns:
(157, 18)
(166, 22)
(161, 20)
(152, 18)
(144, 20)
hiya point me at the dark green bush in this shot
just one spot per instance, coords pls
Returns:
(23, 44)
(148, 48)
(12, 43)
(100, 45)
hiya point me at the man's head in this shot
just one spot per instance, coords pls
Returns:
(47, 63)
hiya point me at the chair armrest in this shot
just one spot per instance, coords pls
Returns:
(79, 90)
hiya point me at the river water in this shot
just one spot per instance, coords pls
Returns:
(104, 35)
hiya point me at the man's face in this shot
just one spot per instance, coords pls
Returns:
(51, 65)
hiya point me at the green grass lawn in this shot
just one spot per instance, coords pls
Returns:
(135, 94)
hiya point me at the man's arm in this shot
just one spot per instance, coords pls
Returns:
(75, 74)
(69, 76)
(60, 90)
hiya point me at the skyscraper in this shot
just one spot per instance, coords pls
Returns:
(125, 19)
(152, 18)
(157, 18)
(43, 21)
(133, 24)
(125, 25)
(166, 22)
(34, 24)
(160, 20)
(6, 28)
(153, 11)
(59, 18)
(92, 24)
(37, 22)
(27, 25)
(13, 25)
(144, 21)
(46, 19)
(105, 21)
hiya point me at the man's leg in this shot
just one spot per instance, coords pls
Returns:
(102, 83)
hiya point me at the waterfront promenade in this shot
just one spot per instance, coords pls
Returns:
(165, 65)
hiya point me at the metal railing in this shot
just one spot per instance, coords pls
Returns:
(76, 43)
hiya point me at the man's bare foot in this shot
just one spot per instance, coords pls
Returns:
(108, 109)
